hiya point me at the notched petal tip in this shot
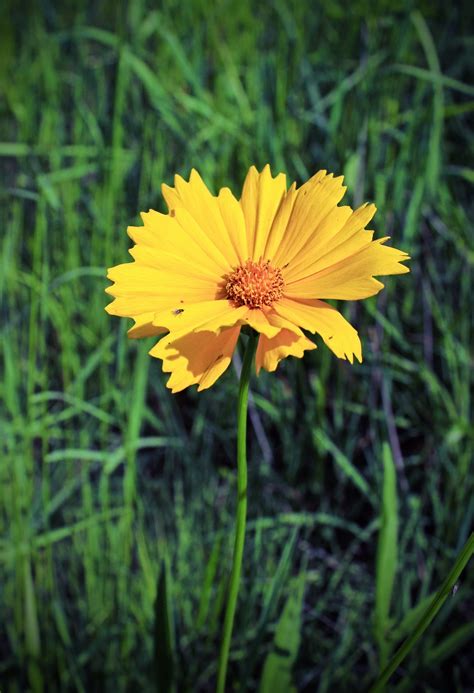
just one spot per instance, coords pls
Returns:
(271, 351)
(195, 177)
(226, 194)
(195, 359)
(115, 308)
(178, 180)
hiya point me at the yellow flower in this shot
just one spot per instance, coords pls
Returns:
(214, 264)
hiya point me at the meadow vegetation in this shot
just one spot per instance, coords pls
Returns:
(360, 477)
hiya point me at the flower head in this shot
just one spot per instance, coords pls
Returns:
(214, 264)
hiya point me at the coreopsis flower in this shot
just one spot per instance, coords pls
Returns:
(215, 264)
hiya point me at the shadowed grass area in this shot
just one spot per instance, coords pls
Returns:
(107, 481)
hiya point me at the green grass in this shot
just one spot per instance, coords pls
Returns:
(105, 477)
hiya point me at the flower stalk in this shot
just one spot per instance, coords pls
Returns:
(241, 513)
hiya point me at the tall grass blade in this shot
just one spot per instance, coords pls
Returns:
(387, 550)
(427, 617)
(433, 164)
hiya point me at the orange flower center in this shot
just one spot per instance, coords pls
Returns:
(255, 284)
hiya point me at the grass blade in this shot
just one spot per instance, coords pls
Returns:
(451, 644)
(164, 659)
(387, 550)
(325, 443)
(206, 592)
(277, 674)
(428, 616)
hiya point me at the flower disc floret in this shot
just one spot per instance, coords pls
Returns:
(255, 284)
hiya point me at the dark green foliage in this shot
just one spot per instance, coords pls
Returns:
(104, 474)
(164, 645)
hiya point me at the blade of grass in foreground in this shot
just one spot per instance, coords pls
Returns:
(428, 616)
(277, 669)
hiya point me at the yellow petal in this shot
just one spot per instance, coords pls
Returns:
(171, 196)
(157, 228)
(209, 316)
(194, 232)
(340, 235)
(315, 200)
(261, 198)
(172, 234)
(204, 208)
(280, 223)
(258, 319)
(282, 323)
(353, 277)
(285, 343)
(132, 306)
(234, 220)
(144, 327)
(142, 289)
(317, 316)
(196, 358)
(136, 278)
(169, 262)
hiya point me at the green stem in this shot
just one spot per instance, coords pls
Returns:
(241, 515)
(438, 601)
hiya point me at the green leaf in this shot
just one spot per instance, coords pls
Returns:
(277, 674)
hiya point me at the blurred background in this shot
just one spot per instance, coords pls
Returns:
(116, 497)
